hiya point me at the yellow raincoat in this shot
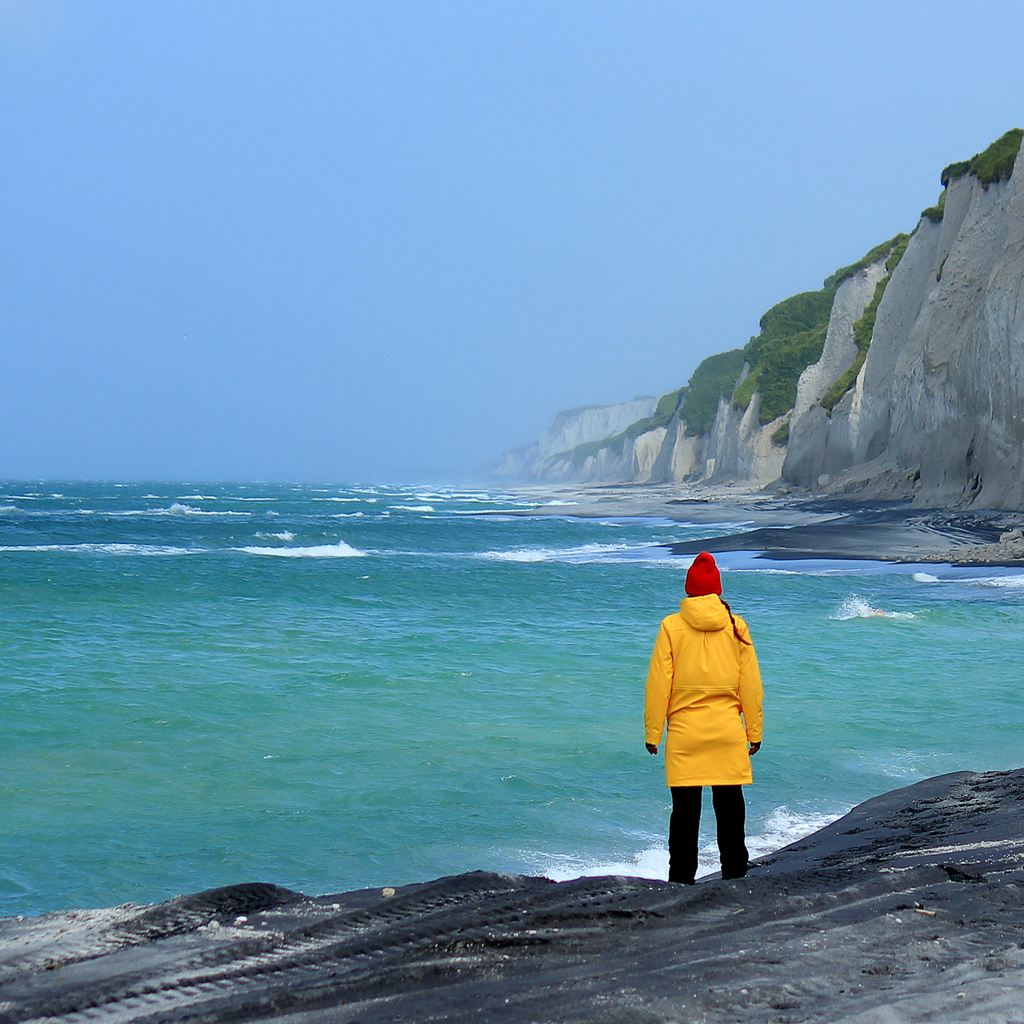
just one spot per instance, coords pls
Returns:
(701, 679)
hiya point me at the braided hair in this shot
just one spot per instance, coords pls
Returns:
(735, 628)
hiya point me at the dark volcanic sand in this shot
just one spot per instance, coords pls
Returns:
(870, 532)
(911, 908)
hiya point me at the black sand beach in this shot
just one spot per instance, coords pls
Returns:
(806, 527)
(910, 908)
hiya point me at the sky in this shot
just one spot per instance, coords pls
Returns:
(384, 241)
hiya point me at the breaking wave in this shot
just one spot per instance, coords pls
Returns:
(108, 549)
(577, 555)
(855, 607)
(782, 827)
(339, 550)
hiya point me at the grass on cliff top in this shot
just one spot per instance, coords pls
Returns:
(836, 279)
(992, 164)
(864, 329)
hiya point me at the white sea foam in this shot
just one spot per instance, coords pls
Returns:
(766, 572)
(479, 511)
(855, 607)
(580, 554)
(9, 508)
(925, 577)
(412, 508)
(175, 509)
(108, 549)
(339, 550)
(285, 535)
(555, 501)
(782, 827)
(1009, 582)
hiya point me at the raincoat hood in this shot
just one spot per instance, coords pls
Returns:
(706, 613)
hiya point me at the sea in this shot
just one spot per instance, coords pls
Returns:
(338, 687)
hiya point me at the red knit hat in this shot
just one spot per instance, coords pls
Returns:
(703, 576)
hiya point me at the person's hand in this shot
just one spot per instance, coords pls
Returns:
(652, 748)
(754, 748)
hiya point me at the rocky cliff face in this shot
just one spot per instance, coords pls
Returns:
(935, 411)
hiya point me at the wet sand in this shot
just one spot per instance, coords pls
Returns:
(910, 908)
(798, 526)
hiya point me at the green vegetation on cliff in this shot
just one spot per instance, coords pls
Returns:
(836, 279)
(716, 376)
(864, 328)
(992, 164)
(792, 337)
(936, 212)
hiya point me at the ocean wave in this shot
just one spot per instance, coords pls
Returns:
(108, 549)
(1010, 582)
(339, 550)
(855, 607)
(782, 827)
(925, 577)
(9, 508)
(175, 509)
(285, 535)
(480, 511)
(766, 572)
(582, 553)
(555, 501)
(412, 508)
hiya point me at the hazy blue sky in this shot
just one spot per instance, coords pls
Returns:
(387, 240)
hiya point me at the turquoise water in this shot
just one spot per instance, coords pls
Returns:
(331, 688)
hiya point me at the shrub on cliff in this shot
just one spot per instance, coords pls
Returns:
(936, 212)
(992, 164)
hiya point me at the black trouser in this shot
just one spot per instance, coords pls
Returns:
(685, 824)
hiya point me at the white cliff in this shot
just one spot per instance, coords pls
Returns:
(936, 412)
(550, 457)
(740, 449)
(805, 457)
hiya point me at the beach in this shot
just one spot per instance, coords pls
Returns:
(805, 526)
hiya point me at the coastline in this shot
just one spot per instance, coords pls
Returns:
(908, 908)
(794, 526)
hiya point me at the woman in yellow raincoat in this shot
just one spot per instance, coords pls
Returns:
(705, 682)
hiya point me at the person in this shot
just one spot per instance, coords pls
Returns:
(704, 681)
